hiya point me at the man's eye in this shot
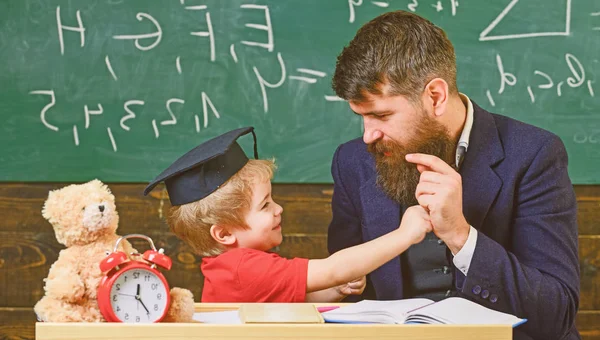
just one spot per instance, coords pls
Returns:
(266, 205)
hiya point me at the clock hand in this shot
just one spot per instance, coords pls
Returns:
(126, 294)
(143, 305)
(139, 298)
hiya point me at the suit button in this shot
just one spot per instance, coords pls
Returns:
(440, 242)
(493, 298)
(445, 270)
(485, 294)
(476, 290)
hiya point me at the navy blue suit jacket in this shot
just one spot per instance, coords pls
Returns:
(516, 193)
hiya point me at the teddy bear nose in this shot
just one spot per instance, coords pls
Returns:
(101, 207)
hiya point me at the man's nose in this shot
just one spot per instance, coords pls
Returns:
(371, 133)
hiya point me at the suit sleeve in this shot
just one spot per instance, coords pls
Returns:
(539, 278)
(345, 229)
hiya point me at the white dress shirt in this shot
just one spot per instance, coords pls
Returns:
(462, 259)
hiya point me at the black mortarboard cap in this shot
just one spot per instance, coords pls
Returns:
(205, 168)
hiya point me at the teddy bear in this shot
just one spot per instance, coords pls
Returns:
(85, 220)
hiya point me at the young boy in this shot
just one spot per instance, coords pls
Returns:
(223, 209)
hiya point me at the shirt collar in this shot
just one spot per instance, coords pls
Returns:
(463, 142)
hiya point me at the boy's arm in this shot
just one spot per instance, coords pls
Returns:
(338, 293)
(357, 261)
(350, 263)
(325, 295)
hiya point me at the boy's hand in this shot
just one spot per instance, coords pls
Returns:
(415, 224)
(355, 287)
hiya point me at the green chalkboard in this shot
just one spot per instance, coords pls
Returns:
(117, 89)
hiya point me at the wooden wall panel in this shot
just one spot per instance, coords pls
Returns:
(588, 324)
(28, 246)
(17, 323)
(588, 210)
(589, 262)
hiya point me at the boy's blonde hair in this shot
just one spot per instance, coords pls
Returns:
(226, 207)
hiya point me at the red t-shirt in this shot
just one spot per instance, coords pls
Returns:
(249, 275)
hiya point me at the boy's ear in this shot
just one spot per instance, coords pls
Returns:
(222, 235)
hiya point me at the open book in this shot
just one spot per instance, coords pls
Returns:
(452, 310)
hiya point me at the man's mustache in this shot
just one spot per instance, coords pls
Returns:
(381, 148)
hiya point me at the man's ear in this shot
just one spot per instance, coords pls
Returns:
(222, 235)
(436, 93)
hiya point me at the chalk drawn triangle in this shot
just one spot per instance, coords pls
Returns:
(486, 36)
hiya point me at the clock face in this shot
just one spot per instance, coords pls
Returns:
(138, 296)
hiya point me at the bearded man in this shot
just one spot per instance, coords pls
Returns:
(497, 190)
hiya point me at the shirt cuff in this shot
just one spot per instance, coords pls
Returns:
(462, 259)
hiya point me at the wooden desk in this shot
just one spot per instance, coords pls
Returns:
(192, 331)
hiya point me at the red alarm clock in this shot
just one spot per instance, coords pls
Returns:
(133, 290)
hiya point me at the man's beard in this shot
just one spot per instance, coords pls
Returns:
(399, 178)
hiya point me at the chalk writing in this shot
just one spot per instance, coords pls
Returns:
(47, 107)
(544, 81)
(587, 136)
(333, 98)
(233, 54)
(171, 121)
(380, 4)
(270, 44)
(62, 27)
(596, 14)
(130, 113)
(485, 34)
(308, 79)
(205, 103)
(576, 79)
(112, 139)
(137, 37)
(178, 64)
(210, 33)
(412, 6)
(454, 5)
(352, 4)
(110, 69)
(89, 112)
(150, 40)
(439, 7)
(75, 135)
(266, 75)
(263, 83)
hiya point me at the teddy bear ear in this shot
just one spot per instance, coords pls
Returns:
(100, 185)
(50, 204)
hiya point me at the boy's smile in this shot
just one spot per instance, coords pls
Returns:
(263, 220)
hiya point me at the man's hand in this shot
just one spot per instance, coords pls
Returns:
(355, 287)
(440, 192)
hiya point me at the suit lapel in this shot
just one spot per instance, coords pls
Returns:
(481, 184)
